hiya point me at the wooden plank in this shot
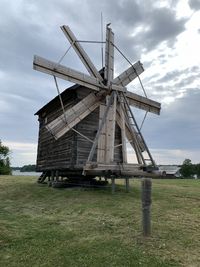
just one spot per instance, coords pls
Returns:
(105, 151)
(143, 103)
(102, 138)
(109, 55)
(81, 52)
(110, 132)
(101, 141)
(129, 75)
(68, 74)
(92, 151)
(123, 132)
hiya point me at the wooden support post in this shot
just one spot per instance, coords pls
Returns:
(92, 151)
(127, 185)
(52, 176)
(51, 180)
(113, 185)
(57, 175)
(146, 206)
(110, 132)
(123, 132)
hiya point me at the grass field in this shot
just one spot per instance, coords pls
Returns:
(42, 226)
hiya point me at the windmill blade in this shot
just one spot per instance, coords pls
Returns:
(81, 52)
(72, 116)
(129, 75)
(143, 103)
(68, 74)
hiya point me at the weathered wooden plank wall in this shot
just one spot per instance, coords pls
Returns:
(55, 154)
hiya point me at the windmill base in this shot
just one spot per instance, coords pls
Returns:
(86, 175)
(119, 170)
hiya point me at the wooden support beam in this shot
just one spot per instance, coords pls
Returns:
(110, 131)
(57, 175)
(100, 128)
(109, 55)
(129, 75)
(81, 52)
(105, 151)
(101, 149)
(123, 131)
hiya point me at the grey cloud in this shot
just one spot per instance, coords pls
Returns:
(163, 26)
(176, 127)
(187, 81)
(194, 4)
(174, 75)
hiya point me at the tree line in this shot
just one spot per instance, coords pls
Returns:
(25, 168)
(4, 159)
(5, 168)
(189, 170)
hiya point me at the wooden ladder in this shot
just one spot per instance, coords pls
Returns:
(137, 137)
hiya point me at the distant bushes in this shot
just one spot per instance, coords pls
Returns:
(28, 168)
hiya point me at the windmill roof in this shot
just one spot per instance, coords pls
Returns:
(55, 99)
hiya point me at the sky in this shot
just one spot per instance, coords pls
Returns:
(163, 35)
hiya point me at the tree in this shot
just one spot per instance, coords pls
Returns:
(4, 159)
(187, 169)
(197, 170)
(28, 168)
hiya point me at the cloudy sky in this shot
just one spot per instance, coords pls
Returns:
(164, 35)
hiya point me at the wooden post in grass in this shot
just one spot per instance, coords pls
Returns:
(57, 175)
(146, 206)
(51, 178)
(127, 184)
(113, 185)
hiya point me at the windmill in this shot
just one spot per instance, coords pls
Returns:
(106, 152)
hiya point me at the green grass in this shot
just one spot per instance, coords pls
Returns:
(42, 226)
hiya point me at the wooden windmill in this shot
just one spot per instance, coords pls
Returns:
(96, 121)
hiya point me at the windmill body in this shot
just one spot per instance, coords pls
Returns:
(85, 129)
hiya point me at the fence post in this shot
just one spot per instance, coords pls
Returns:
(146, 206)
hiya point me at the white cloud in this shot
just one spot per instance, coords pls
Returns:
(22, 153)
(175, 156)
